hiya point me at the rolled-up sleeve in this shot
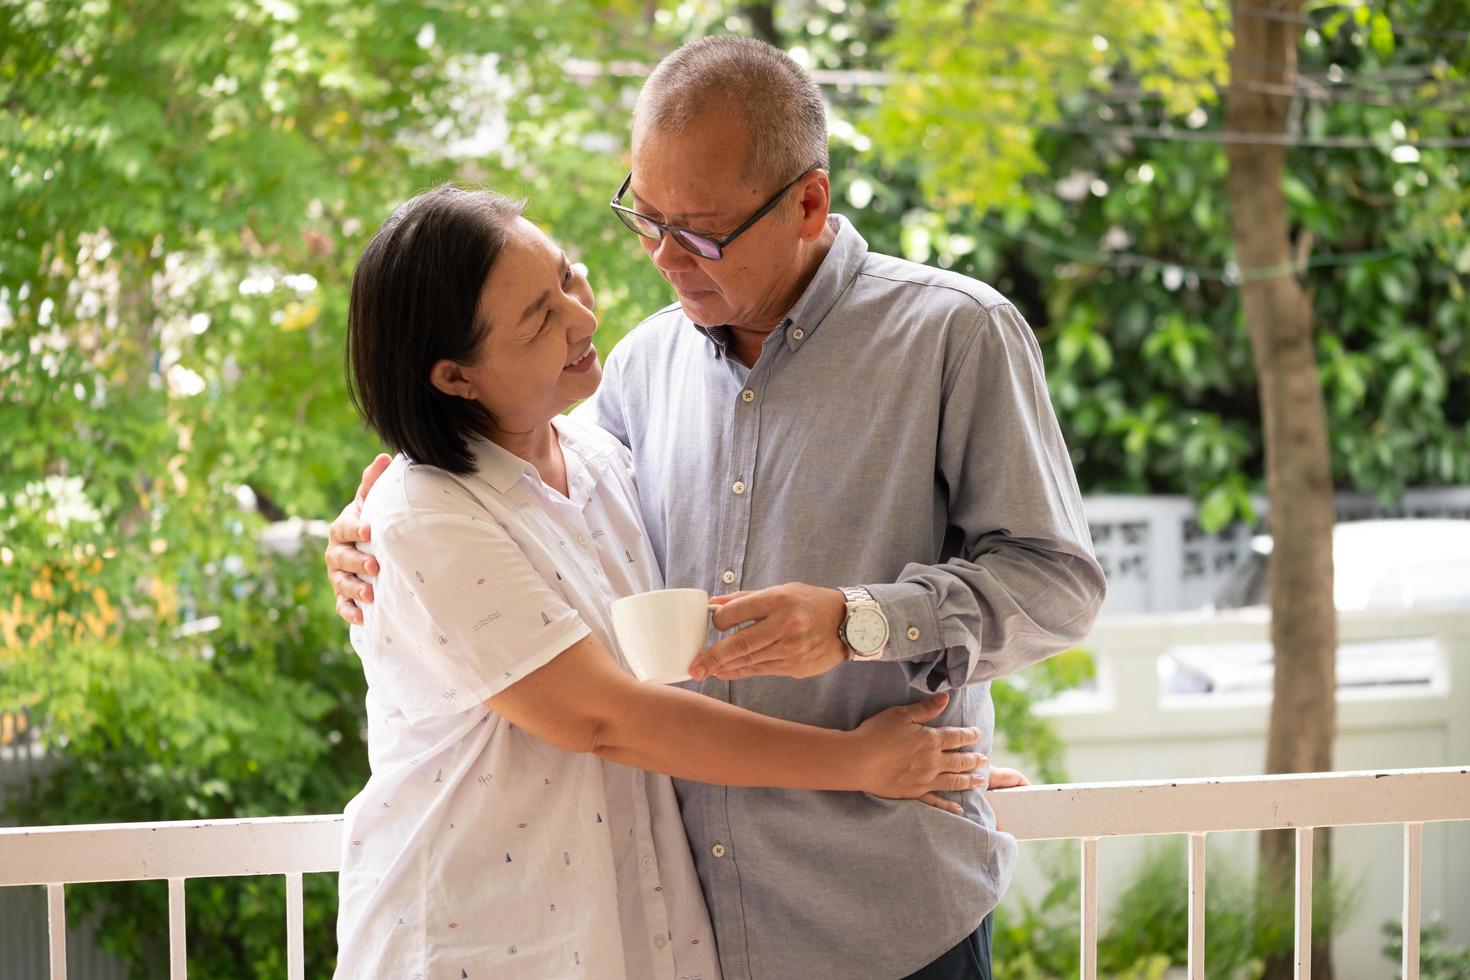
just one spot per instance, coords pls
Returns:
(1025, 583)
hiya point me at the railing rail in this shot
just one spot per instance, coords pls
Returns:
(172, 851)
(1209, 806)
(295, 846)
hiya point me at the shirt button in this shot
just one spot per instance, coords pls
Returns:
(798, 333)
(647, 863)
(718, 850)
(739, 487)
(747, 396)
(660, 941)
(582, 539)
(728, 578)
(913, 633)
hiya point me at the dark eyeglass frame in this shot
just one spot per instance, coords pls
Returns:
(682, 235)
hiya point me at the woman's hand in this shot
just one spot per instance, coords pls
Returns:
(1003, 778)
(906, 759)
(344, 562)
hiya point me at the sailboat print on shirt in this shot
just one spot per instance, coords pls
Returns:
(545, 620)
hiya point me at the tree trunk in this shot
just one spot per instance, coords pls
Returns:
(1298, 468)
(763, 21)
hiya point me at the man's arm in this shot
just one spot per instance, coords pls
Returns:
(1025, 584)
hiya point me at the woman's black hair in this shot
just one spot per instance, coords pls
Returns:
(415, 302)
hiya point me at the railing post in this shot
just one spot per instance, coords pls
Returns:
(1196, 907)
(1304, 903)
(1413, 860)
(1089, 908)
(295, 953)
(178, 958)
(56, 909)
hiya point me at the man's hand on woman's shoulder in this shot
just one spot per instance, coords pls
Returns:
(345, 564)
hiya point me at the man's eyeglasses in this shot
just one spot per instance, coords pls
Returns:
(704, 246)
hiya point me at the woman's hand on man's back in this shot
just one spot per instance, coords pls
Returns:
(345, 564)
(908, 759)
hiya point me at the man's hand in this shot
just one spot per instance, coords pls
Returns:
(344, 562)
(792, 633)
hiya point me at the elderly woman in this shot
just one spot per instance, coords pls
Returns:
(507, 829)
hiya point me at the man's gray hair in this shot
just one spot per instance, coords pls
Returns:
(782, 104)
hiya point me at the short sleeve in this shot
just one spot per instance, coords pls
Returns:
(459, 614)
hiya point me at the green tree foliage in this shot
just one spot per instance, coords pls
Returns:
(1439, 957)
(186, 188)
(1118, 248)
(1149, 929)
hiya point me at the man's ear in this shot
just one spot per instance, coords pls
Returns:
(816, 205)
(449, 377)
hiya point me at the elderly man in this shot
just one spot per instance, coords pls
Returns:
(858, 456)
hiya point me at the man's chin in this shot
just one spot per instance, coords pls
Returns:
(703, 308)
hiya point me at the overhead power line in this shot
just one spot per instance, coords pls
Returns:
(1333, 75)
(1230, 275)
(1307, 87)
(1170, 134)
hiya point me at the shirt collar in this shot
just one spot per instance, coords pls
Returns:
(719, 338)
(497, 466)
(839, 267)
(503, 469)
(837, 271)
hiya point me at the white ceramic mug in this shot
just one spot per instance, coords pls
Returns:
(660, 633)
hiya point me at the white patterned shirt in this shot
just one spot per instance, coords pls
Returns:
(476, 850)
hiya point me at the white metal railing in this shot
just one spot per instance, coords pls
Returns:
(1198, 807)
(1088, 812)
(171, 851)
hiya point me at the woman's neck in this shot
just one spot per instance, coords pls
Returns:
(542, 449)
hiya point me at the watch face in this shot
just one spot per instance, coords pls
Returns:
(866, 631)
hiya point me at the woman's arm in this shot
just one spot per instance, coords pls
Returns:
(582, 701)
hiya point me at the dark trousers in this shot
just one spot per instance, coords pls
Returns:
(970, 960)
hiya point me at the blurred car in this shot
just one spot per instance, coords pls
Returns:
(1380, 565)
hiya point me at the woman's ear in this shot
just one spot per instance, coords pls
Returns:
(449, 377)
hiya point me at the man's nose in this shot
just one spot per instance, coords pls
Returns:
(670, 256)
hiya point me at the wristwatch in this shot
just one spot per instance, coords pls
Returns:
(865, 629)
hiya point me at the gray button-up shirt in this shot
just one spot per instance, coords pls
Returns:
(895, 433)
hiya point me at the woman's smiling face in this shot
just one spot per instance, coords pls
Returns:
(537, 359)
